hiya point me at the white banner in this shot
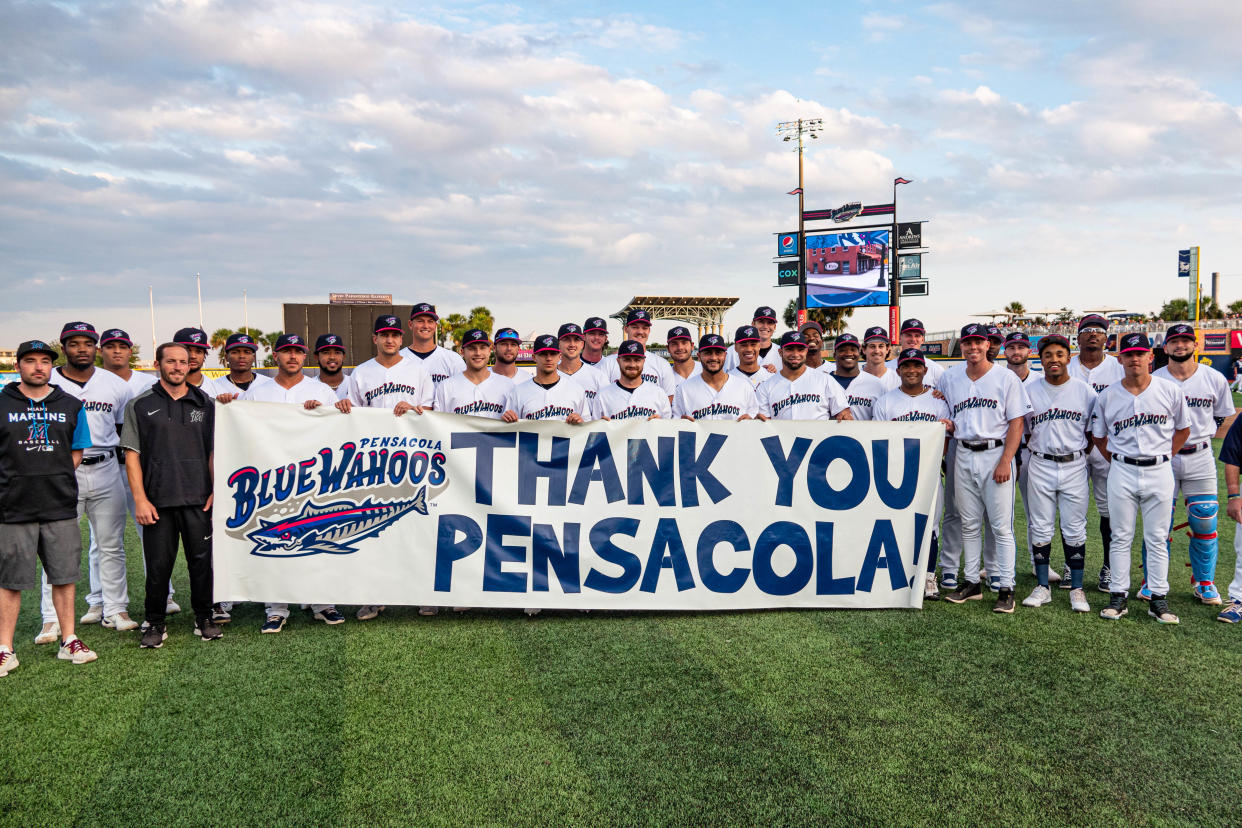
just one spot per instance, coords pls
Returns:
(447, 510)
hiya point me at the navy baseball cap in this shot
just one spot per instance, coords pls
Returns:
(912, 325)
(1092, 320)
(876, 334)
(747, 333)
(794, 338)
(846, 339)
(79, 329)
(546, 342)
(290, 341)
(1053, 339)
(388, 323)
(424, 309)
(1017, 338)
(631, 347)
(680, 332)
(711, 342)
(911, 355)
(36, 346)
(1181, 329)
(995, 335)
(191, 338)
(1135, 342)
(974, 331)
(508, 334)
(569, 329)
(328, 340)
(638, 315)
(116, 335)
(811, 325)
(764, 312)
(595, 323)
(240, 340)
(475, 335)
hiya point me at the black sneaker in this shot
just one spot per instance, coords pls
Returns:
(1004, 601)
(219, 614)
(1116, 608)
(207, 629)
(153, 637)
(1106, 577)
(968, 591)
(1159, 610)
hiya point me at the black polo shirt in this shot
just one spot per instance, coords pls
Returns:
(174, 441)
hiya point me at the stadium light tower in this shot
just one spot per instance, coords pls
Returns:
(789, 131)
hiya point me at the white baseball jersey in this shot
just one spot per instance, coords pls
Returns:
(695, 398)
(655, 371)
(103, 397)
(771, 357)
(861, 393)
(644, 402)
(519, 376)
(490, 398)
(898, 406)
(694, 372)
(532, 401)
(307, 388)
(1207, 398)
(889, 381)
(982, 408)
(342, 390)
(139, 382)
(1099, 377)
(592, 380)
(440, 363)
(225, 385)
(1141, 425)
(934, 371)
(371, 385)
(1060, 416)
(812, 396)
(753, 380)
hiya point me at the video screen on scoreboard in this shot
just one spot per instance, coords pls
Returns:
(847, 269)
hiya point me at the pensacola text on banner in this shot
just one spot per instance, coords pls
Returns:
(446, 510)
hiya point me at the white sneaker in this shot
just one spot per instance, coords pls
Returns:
(931, 591)
(93, 615)
(366, 613)
(8, 661)
(1054, 577)
(1078, 600)
(172, 607)
(76, 651)
(532, 612)
(1039, 596)
(49, 633)
(120, 621)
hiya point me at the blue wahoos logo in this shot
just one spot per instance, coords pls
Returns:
(332, 528)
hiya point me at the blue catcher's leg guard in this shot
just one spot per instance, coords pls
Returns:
(1201, 515)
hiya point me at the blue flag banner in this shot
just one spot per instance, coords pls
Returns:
(1183, 263)
(447, 510)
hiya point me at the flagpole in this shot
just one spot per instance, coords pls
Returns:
(801, 315)
(198, 281)
(151, 299)
(894, 289)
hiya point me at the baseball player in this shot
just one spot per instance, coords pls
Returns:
(1140, 423)
(239, 355)
(764, 322)
(42, 436)
(571, 341)
(715, 394)
(798, 393)
(1099, 370)
(912, 335)
(681, 349)
(629, 397)
(655, 370)
(1231, 457)
(988, 407)
(913, 401)
(995, 340)
(814, 333)
(746, 344)
(101, 494)
(1209, 402)
(875, 348)
(477, 391)
(195, 342)
(549, 396)
(508, 343)
(595, 332)
(861, 389)
(330, 354)
(440, 362)
(1237, 375)
(389, 380)
(1056, 473)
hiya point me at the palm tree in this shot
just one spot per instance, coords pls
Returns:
(482, 319)
(1015, 309)
(452, 327)
(833, 319)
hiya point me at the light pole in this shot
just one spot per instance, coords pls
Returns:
(789, 131)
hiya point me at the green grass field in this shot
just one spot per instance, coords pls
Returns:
(951, 715)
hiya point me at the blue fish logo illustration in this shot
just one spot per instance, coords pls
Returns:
(332, 528)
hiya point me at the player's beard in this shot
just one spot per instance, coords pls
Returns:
(1182, 358)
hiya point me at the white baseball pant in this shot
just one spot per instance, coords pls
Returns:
(950, 537)
(1054, 488)
(980, 498)
(1149, 489)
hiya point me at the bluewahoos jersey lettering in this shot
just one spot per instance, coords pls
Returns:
(1137, 421)
(1056, 414)
(974, 402)
(795, 399)
(370, 395)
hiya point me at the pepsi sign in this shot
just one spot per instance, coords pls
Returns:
(787, 244)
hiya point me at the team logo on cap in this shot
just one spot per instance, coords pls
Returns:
(846, 339)
(678, 332)
(547, 342)
(746, 333)
(631, 347)
(81, 326)
(973, 330)
(911, 355)
(39, 344)
(876, 334)
(793, 338)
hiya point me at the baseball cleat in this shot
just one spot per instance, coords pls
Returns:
(330, 616)
(428, 610)
(1066, 579)
(1116, 608)
(120, 621)
(273, 624)
(1004, 602)
(153, 637)
(220, 613)
(930, 591)
(994, 583)
(49, 633)
(1143, 592)
(1039, 596)
(1206, 592)
(76, 651)
(207, 629)
(1078, 600)
(8, 661)
(368, 611)
(948, 582)
(1231, 614)
(1159, 610)
(172, 607)
(93, 615)
(1106, 578)
(968, 591)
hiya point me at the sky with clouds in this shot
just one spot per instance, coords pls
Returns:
(550, 160)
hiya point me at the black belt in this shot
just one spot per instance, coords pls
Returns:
(1143, 461)
(981, 445)
(1060, 458)
(98, 458)
(1194, 448)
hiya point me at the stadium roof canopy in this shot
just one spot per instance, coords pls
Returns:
(707, 312)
